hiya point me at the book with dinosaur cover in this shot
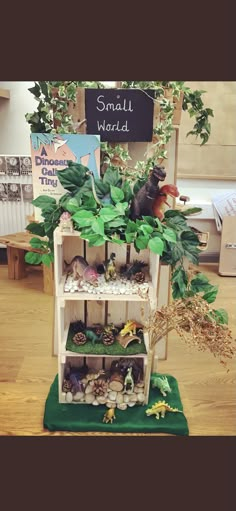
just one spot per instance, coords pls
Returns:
(50, 154)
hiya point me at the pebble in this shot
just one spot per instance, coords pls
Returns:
(78, 396)
(133, 398)
(89, 398)
(131, 403)
(119, 398)
(122, 406)
(112, 395)
(110, 404)
(95, 403)
(69, 397)
(126, 399)
(89, 389)
(141, 397)
(101, 400)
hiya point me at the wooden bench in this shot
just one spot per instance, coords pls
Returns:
(17, 244)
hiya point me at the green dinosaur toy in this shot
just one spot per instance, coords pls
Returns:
(129, 381)
(162, 384)
(91, 336)
(161, 407)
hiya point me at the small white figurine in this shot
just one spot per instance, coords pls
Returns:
(66, 224)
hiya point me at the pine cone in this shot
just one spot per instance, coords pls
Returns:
(139, 277)
(108, 338)
(99, 387)
(66, 386)
(79, 338)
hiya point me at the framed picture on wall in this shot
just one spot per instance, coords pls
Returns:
(13, 165)
(3, 167)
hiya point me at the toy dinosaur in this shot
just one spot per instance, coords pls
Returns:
(162, 384)
(109, 416)
(91, 336)
(129, 271)
(161, 407)
(161, 199)
(130, 328)
(129, 381)
(142, 203)
(81, 270)
(110, 273)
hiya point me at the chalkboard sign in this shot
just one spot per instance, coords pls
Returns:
(119, 115)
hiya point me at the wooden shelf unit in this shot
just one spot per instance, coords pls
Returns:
(100, 308)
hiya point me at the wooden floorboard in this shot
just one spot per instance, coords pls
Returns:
(27, 367)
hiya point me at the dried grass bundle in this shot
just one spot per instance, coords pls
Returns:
(194, 320)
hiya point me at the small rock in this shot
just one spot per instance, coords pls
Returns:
(78, 396)
(89, 389)
(95, 403)
(140, 384)
(101, 400)
(132, 403)
(133, 398)
(129, 392)
(126, 398)
(112, 395)
(89, 398)
(110, 404)
(69, 397)
(119, 398)
(122, 406)
(141, 397)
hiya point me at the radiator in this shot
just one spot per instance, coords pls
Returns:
(16, 193)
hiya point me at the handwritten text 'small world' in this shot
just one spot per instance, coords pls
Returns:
(118, 107)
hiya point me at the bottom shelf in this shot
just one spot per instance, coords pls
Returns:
(110, 381)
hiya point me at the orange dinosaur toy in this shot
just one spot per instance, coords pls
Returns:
(158, 206)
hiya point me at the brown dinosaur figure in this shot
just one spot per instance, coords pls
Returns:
(161, 200)
(142, 203)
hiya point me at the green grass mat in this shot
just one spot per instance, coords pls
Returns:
(100, 349)
(88, 418)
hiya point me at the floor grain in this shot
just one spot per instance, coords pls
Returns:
(27, 367)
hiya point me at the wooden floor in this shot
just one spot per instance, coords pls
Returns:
(27, 367)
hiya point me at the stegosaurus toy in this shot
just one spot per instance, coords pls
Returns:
(161, 407)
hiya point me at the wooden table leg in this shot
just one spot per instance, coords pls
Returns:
(48, 284)
(16, 263)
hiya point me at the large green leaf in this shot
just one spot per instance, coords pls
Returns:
(98, 226)
(199, 283)
(169, 235)
(179, 282)
(44, 201)
(73, 177)
(146, 229)
(141, 242)
(83, 218)
(36, 228)
(221, 316)
(156, 245)
(117, 194)
(47, 259)
(108, 214)
(112, 177)
(128, 194)
(33, 258)
(210, 296)
(37, 243)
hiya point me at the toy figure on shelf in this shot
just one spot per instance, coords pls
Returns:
(162, 384)
(130, 328)
(160, 408)
(66, 224)
(92, 336)
(134, 271)
(109, 416)
(142, 203)
(110, 273)
(161, 200)
(81, 270)
(129, 381)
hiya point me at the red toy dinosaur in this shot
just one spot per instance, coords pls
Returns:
(158, 205)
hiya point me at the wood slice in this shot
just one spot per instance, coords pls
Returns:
(116, 382)
(125, 340)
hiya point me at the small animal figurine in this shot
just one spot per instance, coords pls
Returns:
(130, 328)
(130, 271)
(162, 384)
(142, 203)
(91, 336)
(110, 273)
(109, 416)
(81, 270)
(129, 381)
(161, 200)
(66, 224)
(77, 385)
(160, 408)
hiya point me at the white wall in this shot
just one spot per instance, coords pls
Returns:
(14, 130)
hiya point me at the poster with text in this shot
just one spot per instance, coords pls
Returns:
(51, 152)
